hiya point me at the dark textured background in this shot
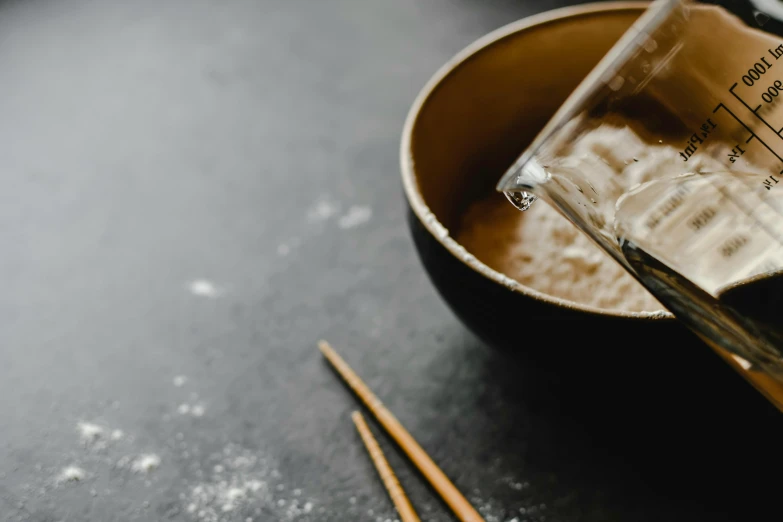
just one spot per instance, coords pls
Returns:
(145, 144)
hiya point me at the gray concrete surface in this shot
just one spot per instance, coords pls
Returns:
(146, 145)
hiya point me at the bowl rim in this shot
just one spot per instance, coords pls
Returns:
(409, 179)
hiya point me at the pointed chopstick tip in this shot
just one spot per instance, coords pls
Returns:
(324, 347)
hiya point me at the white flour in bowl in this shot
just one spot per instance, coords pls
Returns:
(542, 250)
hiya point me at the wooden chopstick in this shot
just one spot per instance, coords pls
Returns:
(448, 492)
(397, 494)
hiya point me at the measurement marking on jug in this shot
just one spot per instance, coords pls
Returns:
(752, 134)
(773, 91)
(672, 203)
(696, 139)
(702, 218)
(770, 181)
(770, 89)
(755, 73)
(737, 151)
(754, 111)
(732, 245)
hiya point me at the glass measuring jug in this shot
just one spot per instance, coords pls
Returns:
(669, 156)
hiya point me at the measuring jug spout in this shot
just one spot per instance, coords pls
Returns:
(521, 182)
(526, 174)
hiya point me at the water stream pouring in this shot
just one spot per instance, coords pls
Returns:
(669, 156)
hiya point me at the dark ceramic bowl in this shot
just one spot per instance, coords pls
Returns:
(468, 124)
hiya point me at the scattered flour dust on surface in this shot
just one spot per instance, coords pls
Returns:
(146, 463)
(233, 483)
(71, 474)
(493, 511)
(203, 288)
(100, 446)
(242, 485)
(356, 215)
(89, 432)
(283, 249)
(95, 437)
(196, 410)
(322, 210)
